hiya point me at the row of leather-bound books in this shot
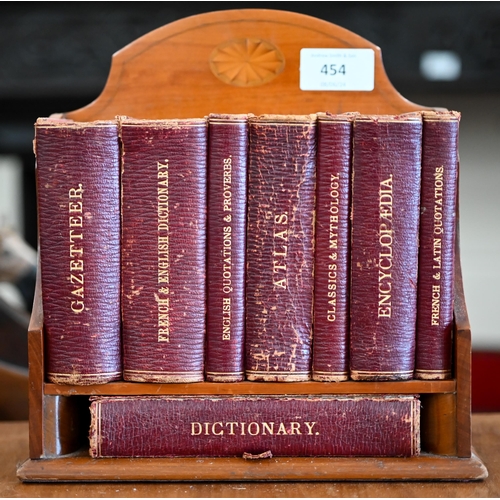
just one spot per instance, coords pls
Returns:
(239, 247)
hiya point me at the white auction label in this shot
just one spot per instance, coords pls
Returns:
(337, 69)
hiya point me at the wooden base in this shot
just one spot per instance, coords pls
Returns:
(74, 468)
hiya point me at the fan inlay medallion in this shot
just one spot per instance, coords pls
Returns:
(246, 62)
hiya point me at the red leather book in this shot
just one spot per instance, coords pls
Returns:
(384, 245)
(164, 191)
(280, 247)
(332, 257)
(437, 244)
(226, 240)
(78, 189)
(254, 426)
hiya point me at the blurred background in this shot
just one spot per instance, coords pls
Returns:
(55, 57)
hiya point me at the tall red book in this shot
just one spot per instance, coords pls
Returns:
(280, 247)
(438, 220)
(384, 246)
(78, 189)
(332, 250)
(226, 241)
(164, 191)
(254, 426)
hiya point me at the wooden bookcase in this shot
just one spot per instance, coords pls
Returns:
(173, 72)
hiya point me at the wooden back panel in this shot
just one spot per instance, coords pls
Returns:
(233, 61)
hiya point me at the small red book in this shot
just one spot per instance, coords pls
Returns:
(254, 426)
(384, 245)
(332, 250)
(164, 189)
(438, 221)
(280, 247)
(226, 242)
(78, 190)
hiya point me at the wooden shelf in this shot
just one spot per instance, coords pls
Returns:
(168, 73)
(348, 387)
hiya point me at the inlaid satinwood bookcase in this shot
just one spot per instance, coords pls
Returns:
(174, 72)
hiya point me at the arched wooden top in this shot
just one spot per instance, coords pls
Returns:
(171, 73)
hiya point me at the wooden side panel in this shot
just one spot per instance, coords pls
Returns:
(35, 374)
(35, 398)
(66, 423)
(462, 358)
(438, 424)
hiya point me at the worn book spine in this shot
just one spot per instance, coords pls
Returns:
(78, 189)
(254, 426)
(164, 189)
(280, 247)
(332, 251)
(226, 242)
(384, 246)
(438, 220)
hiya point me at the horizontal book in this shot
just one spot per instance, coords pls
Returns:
(254, 426)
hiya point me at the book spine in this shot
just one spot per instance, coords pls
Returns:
(280, 247)
(332, 257)
(254, 426)
(78, 189)
(226, 240)
(437, 245)
(164, 193)
(384, 247)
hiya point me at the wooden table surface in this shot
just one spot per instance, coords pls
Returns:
(486, 441)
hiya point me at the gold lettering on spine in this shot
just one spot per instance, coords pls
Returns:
(76, 267)
(333, 239)
(253, 428)
(437, 244)
(280, 251)
(385, 241)
(227, 247)
(163, 290)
